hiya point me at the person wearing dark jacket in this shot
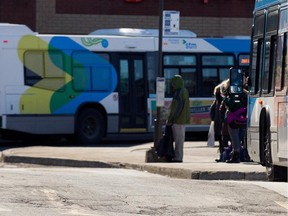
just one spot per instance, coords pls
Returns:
(217, 112)
(179, 115)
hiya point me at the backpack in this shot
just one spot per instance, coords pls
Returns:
(226, 154)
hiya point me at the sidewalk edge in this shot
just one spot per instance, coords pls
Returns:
(165, 171)
(56, 162)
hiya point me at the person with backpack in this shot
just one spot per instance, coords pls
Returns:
(236, 110)
(179, 115)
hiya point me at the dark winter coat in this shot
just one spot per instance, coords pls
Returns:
(180, 108)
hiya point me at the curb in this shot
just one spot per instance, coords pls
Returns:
(200, 175)
(166, 171)
(56, 162)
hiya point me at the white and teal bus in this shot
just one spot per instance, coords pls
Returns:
(268, 99)
(103, 83)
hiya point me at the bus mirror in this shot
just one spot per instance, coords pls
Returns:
(236, 81)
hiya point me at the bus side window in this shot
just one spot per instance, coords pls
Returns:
(210, 80)
(270, 53)
(279, 62)
(224, 74)
(33, 67)
(151, 72)
(91, 71)
(169, 73)
(182, 64)
(44, 70)
(257, 52)
(256, 66)
(190, 78)
(282, 50)
(283, 28)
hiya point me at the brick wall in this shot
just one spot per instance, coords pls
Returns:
(53, 17)
(188, 8)
(18, 11)
(217, 18)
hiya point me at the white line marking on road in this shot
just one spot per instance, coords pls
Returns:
(5, 210)
(76, 212)
(283, 204)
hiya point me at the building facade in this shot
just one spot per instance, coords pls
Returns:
(212, 18)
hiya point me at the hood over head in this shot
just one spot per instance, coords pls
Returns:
(177, 82)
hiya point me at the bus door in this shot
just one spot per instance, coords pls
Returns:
(132, 94)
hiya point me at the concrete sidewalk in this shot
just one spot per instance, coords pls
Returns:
(199, 160)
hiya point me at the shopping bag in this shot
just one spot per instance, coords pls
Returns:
(211, 135)
(165, 146)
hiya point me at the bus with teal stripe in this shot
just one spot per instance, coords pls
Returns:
(267, 139)
(104, 83)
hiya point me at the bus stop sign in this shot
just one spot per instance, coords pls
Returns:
(171, 21)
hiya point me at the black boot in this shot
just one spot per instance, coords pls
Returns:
(221, 149)
(220, 158)
(235, 158)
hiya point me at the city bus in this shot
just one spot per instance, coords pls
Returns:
(103, 83)
(267, 138)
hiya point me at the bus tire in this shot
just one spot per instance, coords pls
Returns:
(277, 173)
(274, 173)
(90, 127)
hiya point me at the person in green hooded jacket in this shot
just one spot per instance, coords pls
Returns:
(179, 115)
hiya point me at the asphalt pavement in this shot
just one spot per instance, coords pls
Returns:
(198, 163)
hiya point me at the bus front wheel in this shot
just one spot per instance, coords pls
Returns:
(90, 127)
(274, 173)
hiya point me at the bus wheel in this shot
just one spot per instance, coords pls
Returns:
(267, 153)
(90, 127)
(274, 173)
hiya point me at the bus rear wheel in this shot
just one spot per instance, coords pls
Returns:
(90, 127)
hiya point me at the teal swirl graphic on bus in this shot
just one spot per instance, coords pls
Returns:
(87, 41)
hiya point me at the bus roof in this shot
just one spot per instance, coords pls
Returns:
(133, 32)
(107, 41)
(266, 3)
(14, 29)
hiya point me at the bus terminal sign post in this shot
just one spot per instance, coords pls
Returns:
(171, 23)
(168, 26)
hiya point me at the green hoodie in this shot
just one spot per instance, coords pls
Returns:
(180, 108)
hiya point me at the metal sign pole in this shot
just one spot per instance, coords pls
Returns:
(158, 123)
(151, 155)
